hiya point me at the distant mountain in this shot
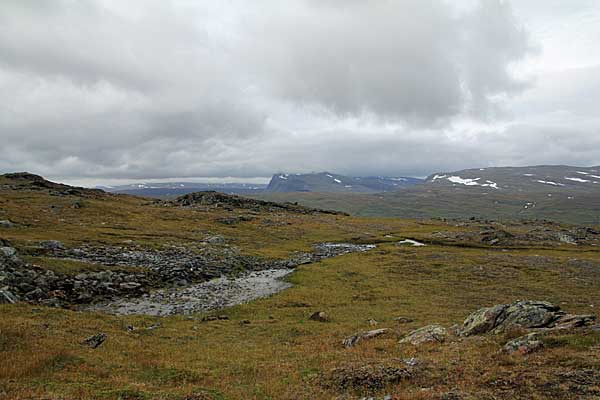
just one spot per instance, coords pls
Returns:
(326, 182)
(521, 179)
(557, 192)
(175, 189)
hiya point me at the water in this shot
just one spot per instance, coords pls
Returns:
(206, 296)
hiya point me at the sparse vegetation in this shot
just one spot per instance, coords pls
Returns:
(270, 349)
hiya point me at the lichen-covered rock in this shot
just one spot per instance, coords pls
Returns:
(427, 334)
(524, 314)
(529, 314)
(483, 320)
(524, 344)
(569, 321)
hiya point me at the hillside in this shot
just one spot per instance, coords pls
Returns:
(212, 296)
(560, 193)
(325, 182)
(170, 190)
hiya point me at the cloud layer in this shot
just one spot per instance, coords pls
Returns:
(108, 89)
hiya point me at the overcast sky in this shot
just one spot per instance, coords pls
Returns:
(94, 91)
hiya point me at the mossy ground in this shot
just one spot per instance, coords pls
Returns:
(281, 354)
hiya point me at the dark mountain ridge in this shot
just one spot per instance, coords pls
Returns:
(327, 182)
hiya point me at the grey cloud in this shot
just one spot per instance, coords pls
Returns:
(162, 89)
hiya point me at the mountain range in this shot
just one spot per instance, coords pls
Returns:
(557, 192)
(327, 182)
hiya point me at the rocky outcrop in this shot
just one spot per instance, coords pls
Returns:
(22, 281)
(525, 314)
(26, 181)
(230, 202)
(139, 271)
(427, 334)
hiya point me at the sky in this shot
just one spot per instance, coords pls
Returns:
(107, 91)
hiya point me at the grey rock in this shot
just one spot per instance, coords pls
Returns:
(6, 224)
(95, 340)
(354, 339)
(6, 297)
(52, 245)
(216, 239)
(319, 316)
(525, 314)
(524, 344)
(427, 334)
(569, 321)
(403, 320)
(129, 285)
(9, 253)
(483, 320)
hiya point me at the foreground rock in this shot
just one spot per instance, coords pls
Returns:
(524, 344)
(427, 334)
(525, 314)
(354, 339)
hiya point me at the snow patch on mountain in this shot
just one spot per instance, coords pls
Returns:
(550, 183)
(577, 180)
(472, 182)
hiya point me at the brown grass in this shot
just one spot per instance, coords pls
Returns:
(281, 354)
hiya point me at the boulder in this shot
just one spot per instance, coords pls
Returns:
(525, 314)
(524, 344)
(319, 316)
(354, 339)
(427, 334)
(95, 340)
(483, 320)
